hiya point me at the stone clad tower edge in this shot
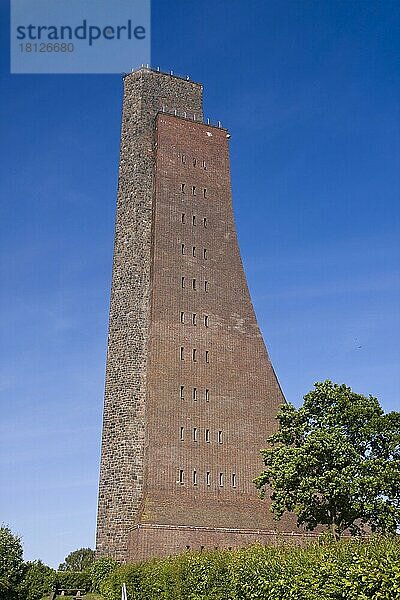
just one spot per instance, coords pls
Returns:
(190, 392)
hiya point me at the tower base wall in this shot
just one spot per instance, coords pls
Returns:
(149, 540)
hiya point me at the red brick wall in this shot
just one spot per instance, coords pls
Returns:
(243, 392)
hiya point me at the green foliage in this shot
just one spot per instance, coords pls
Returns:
(73, 579)
(11, 564)
(336, 462)
(101, 569)
(38, 581)
(344, 570)
(78, 560)
(205, 575)
(375, 574)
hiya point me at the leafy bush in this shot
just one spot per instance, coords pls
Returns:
(375, 574)
(345, 570)
(37, 582)
(101, 569)
(205, 575)
(74, 580)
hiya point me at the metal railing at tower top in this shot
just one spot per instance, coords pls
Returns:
(191, 117)
(158, 70)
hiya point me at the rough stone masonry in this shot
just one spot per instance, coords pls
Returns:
(190, 393)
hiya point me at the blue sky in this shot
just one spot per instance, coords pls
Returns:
(309, 92)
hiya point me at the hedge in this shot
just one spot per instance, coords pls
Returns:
(346, 570)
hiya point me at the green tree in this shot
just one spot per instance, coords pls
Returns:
(335, 462)
(11, 564)
(78, 560)
(37, 582)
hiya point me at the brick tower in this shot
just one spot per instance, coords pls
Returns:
(190, 393)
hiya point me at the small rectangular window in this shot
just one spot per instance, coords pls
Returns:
(221, 479)
(194, 319)
(205, 253)
(194, 477)
(194, 284)
(207, 356)
(181, 476)
(183, 159)
(194, 352)
(195, 434)
(194, 220)
(194, 162)
(182, 434)
(204, 165)
(233, 480)
(219, 437)
(194, 393)
(183, 282)
(208, 478)
(205, 222)
(183, 248)
(183, 218)
(182, 188)
(207, 395)
(205, 193)
(194, 251)
(182, 317)
(206, 286)
(206, 321)
(207, 435)
(182, 391)
(181, 354)
(193, 190)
